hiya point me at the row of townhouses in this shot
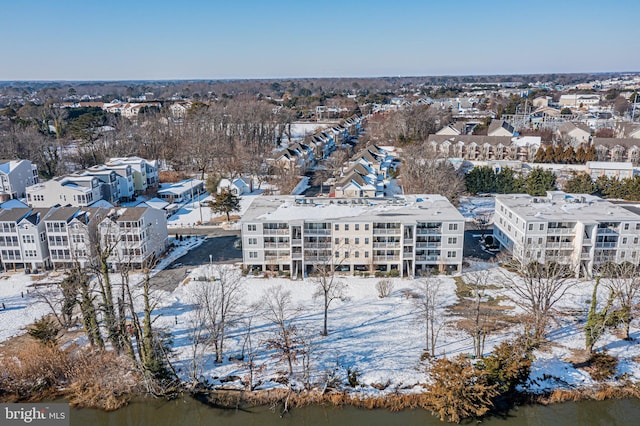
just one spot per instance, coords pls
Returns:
(367, 174)
(579, 230)
(482, 148)
(61, 237)
(305, 154)
(120, 179)
(406, 234)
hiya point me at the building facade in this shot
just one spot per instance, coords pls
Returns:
(15, 177)
(578, 230)
(407, 234)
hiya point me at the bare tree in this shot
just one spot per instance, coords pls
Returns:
(623, 281)
(197, 335)
(479, 326)
(537, 290)
(222, 300)
(328, 288)
(424, 171)
(286, 341)
(427, 305)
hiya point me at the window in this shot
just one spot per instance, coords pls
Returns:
(357, 254)
(541, 226)
(337, 254)
(366, 254)
(635, 240)
(337, 241)
(637, 226)
(346, 241)
(336, 227)
(253, 241)
(621, 254)
(452, 240)
(346, 226)
(366, 226)
(28, 239)
(251, 227)
(357, 241)
(357, 226)
(346, 254)
(531, 227)
(539, 240)
(528, 240)
(626, 226)
(253, 254)
(43, 237)
(624, 240)
(366, 240)
(453, 227)
(451, 254)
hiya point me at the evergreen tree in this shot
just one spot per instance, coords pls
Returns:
(225, 202)
(540, 181)
(590, 155)
(569, 156)
(507, 182)
(481, 179)
(580, 155)
(558, 154)
(539, 158)
(580, 183)
(548, 154)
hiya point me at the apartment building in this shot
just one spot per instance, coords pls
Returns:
(23, 242)
(73, 190)
(136, 236)
(582, 231)
(407, 234)
(69, 235)
(15, 177)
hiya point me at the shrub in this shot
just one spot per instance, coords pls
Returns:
(602, 366)
(45, 331)
(352, 377)
(394, 273)
(384, 287)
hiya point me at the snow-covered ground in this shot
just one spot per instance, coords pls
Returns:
(198, 212)
(381, 338)
(470, 207)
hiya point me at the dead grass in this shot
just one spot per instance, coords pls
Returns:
(599, 393)
(88, 378)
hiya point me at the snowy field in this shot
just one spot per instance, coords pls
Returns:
(380, 338)
(198, 212)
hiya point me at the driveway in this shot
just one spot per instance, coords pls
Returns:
(472, 245)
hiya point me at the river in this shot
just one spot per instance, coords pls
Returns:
(186, 411)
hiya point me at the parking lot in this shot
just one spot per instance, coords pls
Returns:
(472, 246)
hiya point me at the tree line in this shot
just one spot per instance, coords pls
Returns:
(485, 179)
(560, 155)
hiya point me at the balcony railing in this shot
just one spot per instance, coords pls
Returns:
(427, 245)
(386, 245)
(424, 258)
(428, 231)
(561, 231)
(386, 231)
(276, 245)
(275, 231)
(563, 245)
(606, 245)
(296, 242)
(317, 232)
(385, 258)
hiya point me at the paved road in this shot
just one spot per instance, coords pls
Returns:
(472, 245)
(221, 248)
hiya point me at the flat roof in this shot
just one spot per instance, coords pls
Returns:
(561, 207)
(406, 209)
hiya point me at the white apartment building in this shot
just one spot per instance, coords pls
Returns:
(69, 236)
(136, 236)
(23, 242)
(77, 191)
(407, 234)
(582, 231)
(15, 177)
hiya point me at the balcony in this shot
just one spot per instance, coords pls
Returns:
(427, 245)
(428, 231)
(386, 258)
(277, 258)
(425, 258)
(275, 231)
(606, 245)
(296, 242)
(296, 256)
(563, 245)
(318, 246)
(386, 245)
(317, 232)
(276, 245)
(585, 256)
(387, 231)
(561, 231)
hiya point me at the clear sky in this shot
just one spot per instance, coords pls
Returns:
(214, 39)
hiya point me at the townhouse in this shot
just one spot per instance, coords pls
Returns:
(578, 230)
(135, 237)
(145, 172)
(23, 242)
(72, 190)
(404, 235)
(15, 177)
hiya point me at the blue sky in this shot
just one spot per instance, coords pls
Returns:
(201, 39)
